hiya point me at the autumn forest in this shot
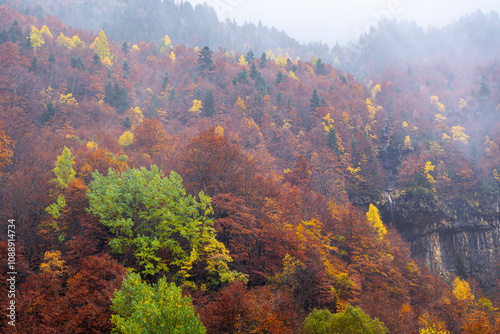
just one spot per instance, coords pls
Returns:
(161, 187)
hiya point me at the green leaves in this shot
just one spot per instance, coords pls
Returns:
(64, 171)
(157, 308)
(351, 320)
(153, 219)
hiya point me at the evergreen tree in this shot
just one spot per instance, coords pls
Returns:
(125, 47)
(279, 78)
(263, 60)
(34, 64)
(205, 58)
(315, 101)
(320, 67)
(250, 56)
(52, 59)
(253, 71)
(50, 111)
(125, 69)
(164, 82)
(209, 103)
(14, 33)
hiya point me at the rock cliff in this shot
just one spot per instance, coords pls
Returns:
(458, 238)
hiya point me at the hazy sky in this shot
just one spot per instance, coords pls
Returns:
(343, 20)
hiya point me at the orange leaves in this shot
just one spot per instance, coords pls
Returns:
(6, 149)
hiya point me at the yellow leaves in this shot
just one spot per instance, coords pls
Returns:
(107, 62)
(92, 146)
(44, 30)
(373, 217)
(309, 69)
(445, 137)
(53, 263)
(293, 76)
(68, 99)
(404, 125)
(36, 38)
(462, 103)
(495, 175)
(242, 60)
(70, 43)
(172, 57)
(240, 104)
(372, 108)
(375, 90)
(101, 47)
(429, 167)
(439, 118)
(135, 47)
(458, 134)
(328, 124)
(138, 114)
(197, 106)
(435, 148)
(219, 131)
(462, 290)
(490, 147)
(407, 144)
(167, 40)
(126, 139)
(437, 104)
(281, 61)
(270, 55)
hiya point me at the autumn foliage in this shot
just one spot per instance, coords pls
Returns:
(254, 184)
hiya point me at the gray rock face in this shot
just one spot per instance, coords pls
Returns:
(451, 240)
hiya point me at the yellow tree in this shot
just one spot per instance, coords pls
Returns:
(36, 38)
(126, 139)
(197, 106)
(458, 134)
(373, 217)
(462, 290)
(53, 264)
(242, 60)
(6, 150)
(101, 46)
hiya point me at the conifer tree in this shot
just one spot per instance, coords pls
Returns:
(205, 58)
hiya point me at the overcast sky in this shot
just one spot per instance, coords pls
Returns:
(343, 20)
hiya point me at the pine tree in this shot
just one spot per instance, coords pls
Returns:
(315, 101)
(205, 58)
(279, 78)
(209, 103)
(164, 82)
(320, 67)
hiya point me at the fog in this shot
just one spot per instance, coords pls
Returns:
(340, 20)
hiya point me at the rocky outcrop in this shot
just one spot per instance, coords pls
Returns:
(452, 239)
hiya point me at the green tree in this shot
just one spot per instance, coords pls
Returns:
(64, 171)
(164, 82)
(125, 48)
(263, 60)
(279, 77)
(320, 67)
(315, 100)
(157, 308)
(205, 58)
(351, 321)
(250, 56)
(152, 219)
(209, 103)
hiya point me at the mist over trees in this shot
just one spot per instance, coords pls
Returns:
(233, 188)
